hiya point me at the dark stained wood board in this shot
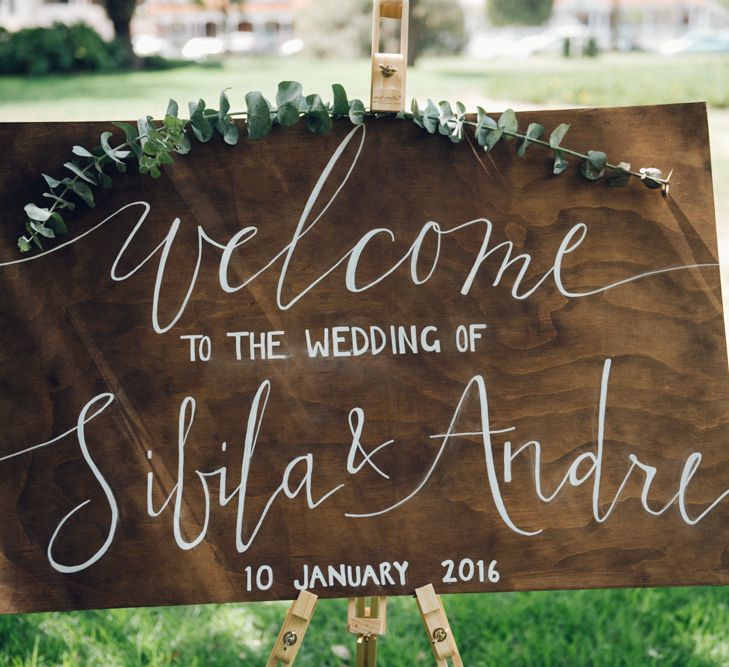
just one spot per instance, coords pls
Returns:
(651, 352)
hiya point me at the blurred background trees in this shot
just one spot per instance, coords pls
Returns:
(120, 13)
(519, 12)
(343, 28)
(437, 27)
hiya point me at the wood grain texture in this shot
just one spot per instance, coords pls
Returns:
(69, 333)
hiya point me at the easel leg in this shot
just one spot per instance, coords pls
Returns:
(293, 630)
(437, 627)
(367, 623)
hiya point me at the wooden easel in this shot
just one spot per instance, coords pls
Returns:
(367, 622)
(387, 89)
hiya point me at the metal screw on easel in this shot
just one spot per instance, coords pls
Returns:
(289, 639)
(439, 635)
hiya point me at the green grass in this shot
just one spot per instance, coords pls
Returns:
(681, 627)
(605, 81)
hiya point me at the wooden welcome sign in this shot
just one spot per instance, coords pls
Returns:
(364, 367)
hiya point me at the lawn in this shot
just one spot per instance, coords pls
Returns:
(606, 81)
(682, 627)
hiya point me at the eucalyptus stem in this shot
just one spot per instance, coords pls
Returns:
(566, 151)
(152, 144)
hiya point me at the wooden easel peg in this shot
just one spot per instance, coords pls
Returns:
(436, 625)
(293, 630)
(367, 622)
(387, 90)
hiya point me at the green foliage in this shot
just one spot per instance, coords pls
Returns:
(152, 145)
(59, 48)
(592, 50)
(63, 49)
(259, 115)
(336, 28)
(521, 12)
(534, 131)
(437, 27)
(602, 628)
(288, 99)
(593, 167)
(343, 28)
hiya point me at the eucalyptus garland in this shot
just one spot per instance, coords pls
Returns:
(151, 145)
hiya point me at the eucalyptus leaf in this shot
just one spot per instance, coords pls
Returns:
(431, 117)
(558, 133)
(560, 164)
(201, 127)
(172, 109)
(33, 236)
(131, 136)
(415, 112)
(52, 182)
(57, 223)
(232, 134)
(593, 167)
(105, 136)
(105, 180)
(42, 229)
(649, 176)
(60, 202)
(224, 105)
(81, 152)
(340, 106)
(484, 127)
(73, 167)
(619, 176)
(534, 131)
(356, 112)
(145, 127)
(183, 145)
(445, 116)
(493, 138)
(36, 213)
(508, 123)
(288, 99)
(84, 192)
(259, 115)
(175, 125)
(456, 136)
(317, 116)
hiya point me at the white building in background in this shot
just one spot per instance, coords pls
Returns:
(253, 25)
(641, 23)
(625, 24)
(17, 14)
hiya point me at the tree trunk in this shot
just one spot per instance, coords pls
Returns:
(414, 33)
(120, 13)
(615, 25)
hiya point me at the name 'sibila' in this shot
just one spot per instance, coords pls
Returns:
(298, 477)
